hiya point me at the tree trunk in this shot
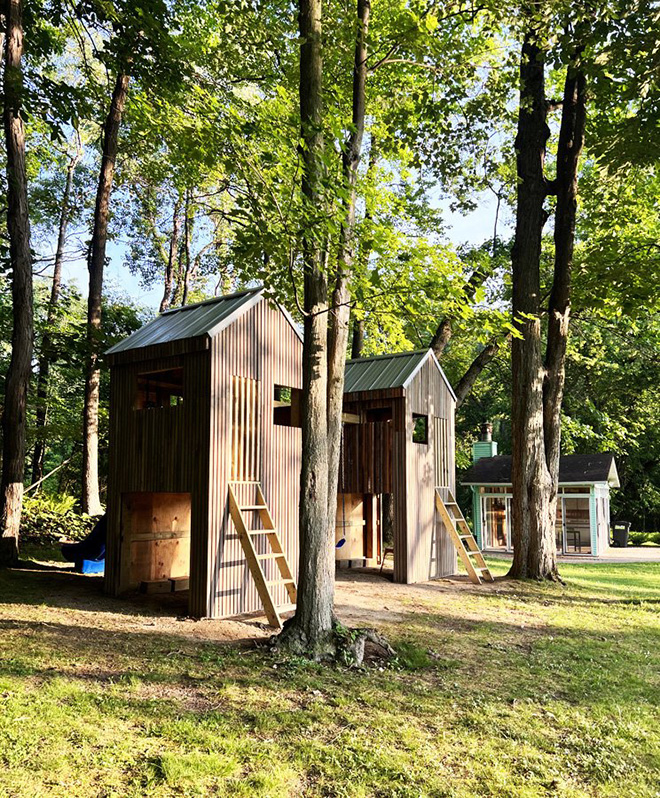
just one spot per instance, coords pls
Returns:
(569, 148)
(171, 259)
(340, 310)
(441, 337)
(91, 502)
(186, 249)
(534, 553)
(444, 330)
(366, 245)
(357, 341)
(18, 228)
(311, 627)
(47, 354)
(464, 386)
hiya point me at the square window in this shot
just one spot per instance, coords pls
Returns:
(420, 428)
(160, 389)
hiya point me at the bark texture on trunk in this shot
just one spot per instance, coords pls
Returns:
(340, 310)
(91, 501)
(311, 626)
(569, 148)
(47, 353)
(533, 536)
(366, 246)
(441, 337)
(18, 228)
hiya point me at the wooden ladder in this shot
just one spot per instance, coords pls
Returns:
(462, 537)
(255, 560)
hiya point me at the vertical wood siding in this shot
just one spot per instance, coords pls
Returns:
(428, 547)
(260, 346)
(159, 450)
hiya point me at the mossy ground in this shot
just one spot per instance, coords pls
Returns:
(512, 689)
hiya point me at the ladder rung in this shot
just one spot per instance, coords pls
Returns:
(272, 555)
(252, 507)
(281, 582)
(465, 537)
(260, 531)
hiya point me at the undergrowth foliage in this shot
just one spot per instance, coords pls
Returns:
(46, 519)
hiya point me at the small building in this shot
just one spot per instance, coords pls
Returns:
(202, 396)
(398, 445)
(205, 424)
(583, 503)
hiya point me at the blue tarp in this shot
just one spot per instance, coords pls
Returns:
(89, 554)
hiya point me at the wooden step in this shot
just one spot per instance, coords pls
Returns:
(463, 541)
(254, 560)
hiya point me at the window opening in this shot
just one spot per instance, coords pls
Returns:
(420, 428)
(286, 406)
(160, 389)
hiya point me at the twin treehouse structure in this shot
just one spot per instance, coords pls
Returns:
(205, 458)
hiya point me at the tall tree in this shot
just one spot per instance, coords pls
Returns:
(311, 627)
(340, 308)
(47, 353)
(91, 501)
(18, 228)
(538, 383)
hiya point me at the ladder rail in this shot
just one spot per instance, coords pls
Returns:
(461, 534)
(255, 559)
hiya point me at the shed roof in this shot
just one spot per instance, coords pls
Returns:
(576, 469)
(191, 321)
(383, 372)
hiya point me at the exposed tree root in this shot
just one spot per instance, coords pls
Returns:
(340, 644)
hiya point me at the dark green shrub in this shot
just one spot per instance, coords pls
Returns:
(640, 538)
(46, 519)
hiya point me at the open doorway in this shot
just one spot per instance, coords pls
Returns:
(155, 542)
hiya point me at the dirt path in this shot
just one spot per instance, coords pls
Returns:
(363, 598)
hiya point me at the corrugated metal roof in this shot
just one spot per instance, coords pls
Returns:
(190, 321)
(381, 372)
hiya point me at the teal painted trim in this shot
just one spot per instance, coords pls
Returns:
(593, 523)
(483, 449)
(476, 516)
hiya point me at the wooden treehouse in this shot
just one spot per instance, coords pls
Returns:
(205, 457)
(195, 408)
(398, 447)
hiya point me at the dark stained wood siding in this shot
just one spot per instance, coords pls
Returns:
(160, 450)
(366, 465)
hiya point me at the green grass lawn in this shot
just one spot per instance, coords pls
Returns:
(503, 690)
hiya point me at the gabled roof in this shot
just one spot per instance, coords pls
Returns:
(383, 372)
(574, 469)
(203, 318)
